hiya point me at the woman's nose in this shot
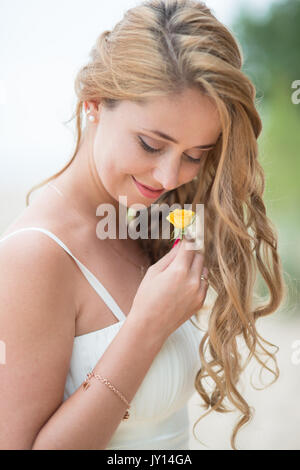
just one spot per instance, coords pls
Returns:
(167, 173)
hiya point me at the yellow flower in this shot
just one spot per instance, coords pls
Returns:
(180, 218)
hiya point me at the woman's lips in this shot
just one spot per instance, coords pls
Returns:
(147, 192)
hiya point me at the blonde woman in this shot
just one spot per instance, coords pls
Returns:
(168, 108)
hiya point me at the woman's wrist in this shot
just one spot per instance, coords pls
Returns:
(145, 330)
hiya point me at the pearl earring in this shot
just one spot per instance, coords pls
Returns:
(91, 118)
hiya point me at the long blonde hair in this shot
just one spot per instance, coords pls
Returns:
(162, 47)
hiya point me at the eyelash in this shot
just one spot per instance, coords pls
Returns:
(152, 150)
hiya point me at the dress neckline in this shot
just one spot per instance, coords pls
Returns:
(119, 322)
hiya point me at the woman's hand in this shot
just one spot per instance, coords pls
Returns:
(172, 291)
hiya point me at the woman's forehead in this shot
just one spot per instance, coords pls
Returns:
(183, 117)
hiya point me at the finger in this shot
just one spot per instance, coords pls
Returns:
(197, 265)
(202, 294)
(164, 262)
(203, 284)
(185, 254)
(176, 241)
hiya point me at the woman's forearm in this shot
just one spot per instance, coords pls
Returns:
(88, 419)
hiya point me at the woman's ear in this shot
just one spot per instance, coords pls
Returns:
(93, 106)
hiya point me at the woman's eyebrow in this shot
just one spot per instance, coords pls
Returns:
(167, 137)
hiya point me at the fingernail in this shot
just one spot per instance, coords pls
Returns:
(177, 241)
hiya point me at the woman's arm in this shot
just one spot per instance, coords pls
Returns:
(37, 326)
(88, 419)
(37, 323)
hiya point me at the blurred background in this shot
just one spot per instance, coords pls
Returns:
(42, 46)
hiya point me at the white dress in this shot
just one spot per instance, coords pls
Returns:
(158, 412)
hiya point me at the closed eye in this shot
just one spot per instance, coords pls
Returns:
(154, 150)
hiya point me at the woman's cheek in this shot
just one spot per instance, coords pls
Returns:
(134, 162)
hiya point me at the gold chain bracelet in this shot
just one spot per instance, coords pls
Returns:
(86, 385)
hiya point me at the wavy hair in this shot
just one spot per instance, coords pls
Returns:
(162, 47)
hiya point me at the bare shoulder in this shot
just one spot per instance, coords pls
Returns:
(37, 324)
(33, 252)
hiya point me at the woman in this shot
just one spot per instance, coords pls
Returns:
(169, 108)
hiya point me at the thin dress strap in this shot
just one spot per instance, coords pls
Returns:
(93, 281)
